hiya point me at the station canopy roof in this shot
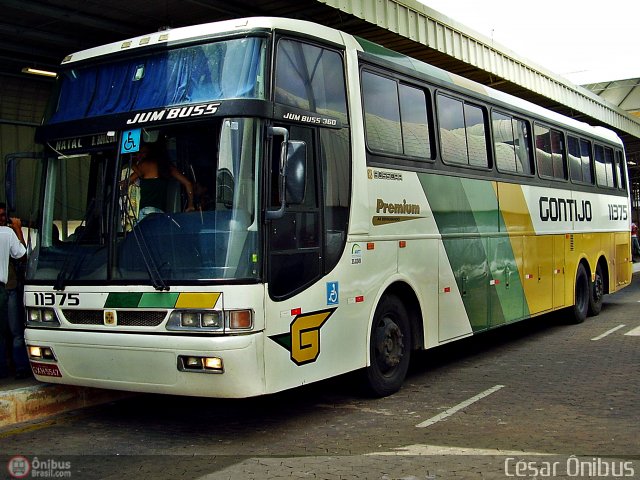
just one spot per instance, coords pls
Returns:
(40, 33)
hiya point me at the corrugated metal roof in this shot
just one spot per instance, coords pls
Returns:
(39, 33)
(419, 31)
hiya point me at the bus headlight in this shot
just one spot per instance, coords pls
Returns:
(41, 317)
(229, 321)
(190, 319)
(212, 320)
(195, 320)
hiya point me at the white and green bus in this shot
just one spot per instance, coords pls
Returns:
(351, 205)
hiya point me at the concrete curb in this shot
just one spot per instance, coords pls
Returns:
(37, 402)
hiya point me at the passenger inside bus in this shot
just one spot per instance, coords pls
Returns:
(152, 168)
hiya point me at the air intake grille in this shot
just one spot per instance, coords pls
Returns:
(126, 318)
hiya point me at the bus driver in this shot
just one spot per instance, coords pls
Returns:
(153, 170)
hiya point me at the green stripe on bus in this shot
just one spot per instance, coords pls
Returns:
(466, 212)
(123, 300)
(158, 300)
(141, 300)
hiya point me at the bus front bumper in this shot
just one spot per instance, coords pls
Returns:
(151, 363)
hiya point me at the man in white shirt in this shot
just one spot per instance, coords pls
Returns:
(11, 246)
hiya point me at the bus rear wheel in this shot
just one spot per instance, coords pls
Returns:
(389, 348)
(581, 305)
(596, 293)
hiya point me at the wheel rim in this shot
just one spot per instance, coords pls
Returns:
(598, 288)
(389, 346)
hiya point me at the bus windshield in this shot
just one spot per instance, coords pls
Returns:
(186, 214)
(224, 69)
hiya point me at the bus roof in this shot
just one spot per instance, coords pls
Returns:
(245, 25)
(213, 29)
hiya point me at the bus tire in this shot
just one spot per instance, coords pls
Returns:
(389, 348)
(581, 306)
(596, 293)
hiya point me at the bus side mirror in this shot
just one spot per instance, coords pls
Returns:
(293, 172)
(296, 171)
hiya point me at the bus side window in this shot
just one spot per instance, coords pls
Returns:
(608, 159)
(558, 155)
(620, 171)
(587, 161)
(396, 117)
(415, 122)
(579, 152)
(543, 151)
(452, 135)
(604, 166)
(575, 159)
(382, 113)
(511, 143)
(334, 153)
(550, 153)
(462, 132)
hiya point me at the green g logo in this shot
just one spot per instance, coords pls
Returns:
(303, 339)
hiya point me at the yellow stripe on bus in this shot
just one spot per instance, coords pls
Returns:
(197, 300)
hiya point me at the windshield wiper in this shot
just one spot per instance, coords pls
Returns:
(62, 277)
(147, 257)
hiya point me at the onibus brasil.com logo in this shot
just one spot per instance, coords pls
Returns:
(20, 467)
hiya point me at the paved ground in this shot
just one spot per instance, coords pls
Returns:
(535, 400)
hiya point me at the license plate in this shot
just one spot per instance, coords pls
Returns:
(45, 369)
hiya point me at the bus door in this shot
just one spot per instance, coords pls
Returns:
(295, 238)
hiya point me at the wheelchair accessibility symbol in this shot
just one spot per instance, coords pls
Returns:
(333, 297)
(130, 141)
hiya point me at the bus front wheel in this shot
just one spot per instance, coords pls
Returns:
(389, 348)
(581, 305)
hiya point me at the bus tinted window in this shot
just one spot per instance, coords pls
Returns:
(310, 78)
(575, 159)
(604, 166)
(476, 136)
(382, 113)
(415, 124)
(579, 151)
(511, 143)
(462, 132)
(557, 146)
(550, 153)
(601, 171)
(587, 161)
(396, 117)
(608, 161)
(452, 135)
(224, 69)
(621, 179)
